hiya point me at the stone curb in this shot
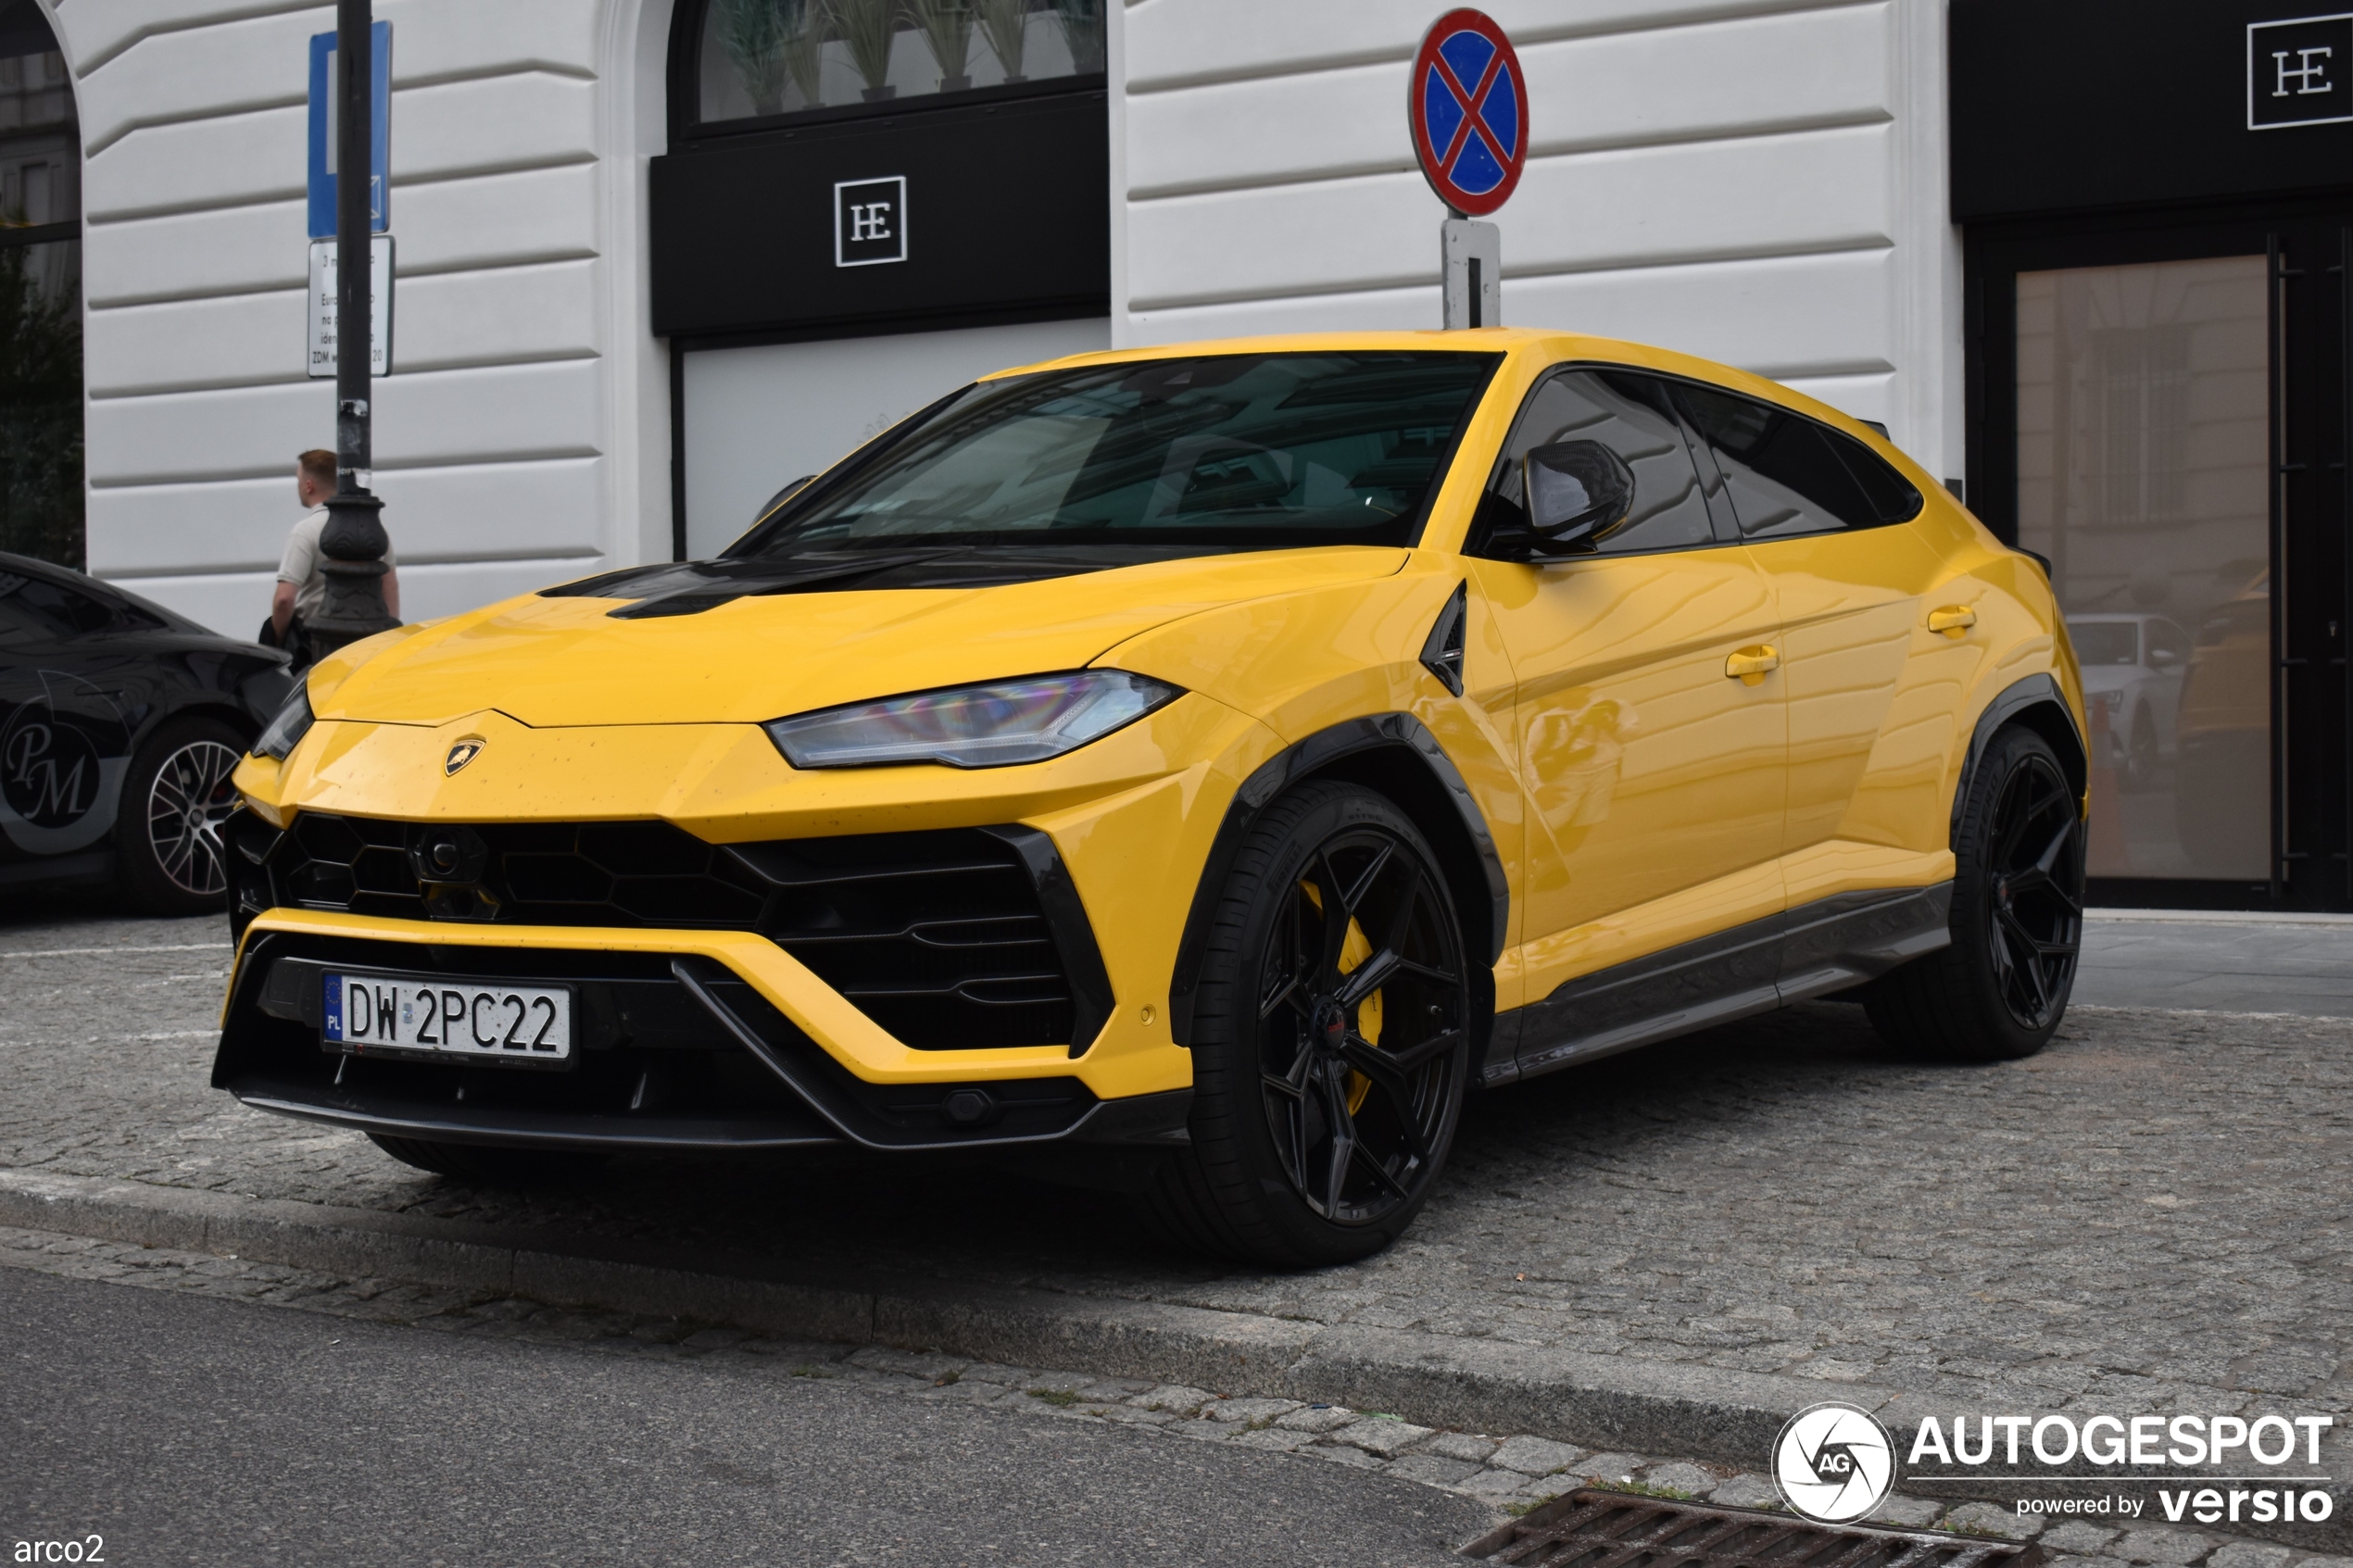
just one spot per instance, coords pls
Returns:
(1598, 1402)
(1437, 1380)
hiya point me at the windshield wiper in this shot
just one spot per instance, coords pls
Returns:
(747, 578)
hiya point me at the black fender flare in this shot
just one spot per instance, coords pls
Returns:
(2037, 702)
(1393, 738)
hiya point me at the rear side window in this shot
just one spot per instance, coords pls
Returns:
(39, 604)
(1627, 413)
(1787, 475)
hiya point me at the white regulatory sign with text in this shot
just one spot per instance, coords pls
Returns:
(321, 345)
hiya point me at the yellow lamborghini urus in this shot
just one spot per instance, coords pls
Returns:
(1213, 761)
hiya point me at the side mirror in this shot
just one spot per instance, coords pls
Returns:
(1579, 493)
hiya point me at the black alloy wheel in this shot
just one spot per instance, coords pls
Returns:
(2034, 918)
(2000, 989)
(1331, 1040)
(176, 796)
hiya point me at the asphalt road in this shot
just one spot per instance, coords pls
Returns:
(190, 1430)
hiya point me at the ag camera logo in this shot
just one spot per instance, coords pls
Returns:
(1833, 1462)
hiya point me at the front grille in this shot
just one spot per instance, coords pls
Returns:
(944, 938)
(658, 1065)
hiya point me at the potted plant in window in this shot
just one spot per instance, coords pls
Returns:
(752, 34)
(869, 28)
(805, 50)
(947, 27)
(1082, 24)
(1005, 23)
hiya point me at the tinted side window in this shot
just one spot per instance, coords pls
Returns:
(55, 608)
(1631, 415)
(1788, 475)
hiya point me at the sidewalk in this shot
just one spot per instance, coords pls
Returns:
(1666, 1252)
(2218, 962)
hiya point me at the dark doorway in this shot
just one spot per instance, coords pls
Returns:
(41, 497)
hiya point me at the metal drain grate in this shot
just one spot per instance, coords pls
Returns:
(1598, 1529)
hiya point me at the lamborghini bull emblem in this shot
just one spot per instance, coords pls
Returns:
(463, 753)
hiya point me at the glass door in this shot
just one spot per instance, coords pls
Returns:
(2143, 415)
(2159, 411)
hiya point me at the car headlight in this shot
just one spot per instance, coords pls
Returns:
(2110, 700)
(993, 725)
(288, 729)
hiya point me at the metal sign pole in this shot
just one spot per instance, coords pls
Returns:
(354, 540)
(1471, 259)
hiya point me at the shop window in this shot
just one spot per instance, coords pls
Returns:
(761, 60)
(2143, 417)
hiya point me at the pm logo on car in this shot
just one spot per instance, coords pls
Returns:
(463, 753)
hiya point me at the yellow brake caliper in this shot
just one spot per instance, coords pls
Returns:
(1354, 948)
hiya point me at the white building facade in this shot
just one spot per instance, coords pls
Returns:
(625, 314)
(1761, 182)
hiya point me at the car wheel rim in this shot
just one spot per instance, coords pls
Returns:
(191, 798)
(1363, 1004)
(2035, 917)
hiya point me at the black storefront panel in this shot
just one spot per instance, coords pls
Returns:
(944, 218)
(2073, 107)
(2158, 211)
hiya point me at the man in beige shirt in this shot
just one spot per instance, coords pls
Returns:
(302, 587)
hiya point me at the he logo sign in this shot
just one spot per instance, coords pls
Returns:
(870, 221)
(2310, 78)
(2295, 73)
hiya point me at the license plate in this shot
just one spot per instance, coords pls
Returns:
(430, 1016)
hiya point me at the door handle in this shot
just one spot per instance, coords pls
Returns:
(1952, 620)
(1750, 665)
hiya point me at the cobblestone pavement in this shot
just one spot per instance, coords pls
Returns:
(1510, 1473)
(2152, 1215)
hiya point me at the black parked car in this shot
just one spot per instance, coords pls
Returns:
(120, 725)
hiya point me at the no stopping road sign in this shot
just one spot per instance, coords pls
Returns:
(1467, 104)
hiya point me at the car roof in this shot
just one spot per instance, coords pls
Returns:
(1548, 344)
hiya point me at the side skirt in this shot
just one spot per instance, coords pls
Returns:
(1808, 951)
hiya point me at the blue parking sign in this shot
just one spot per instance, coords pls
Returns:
(324, 119)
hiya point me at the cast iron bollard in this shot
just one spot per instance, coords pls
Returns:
(353, 542)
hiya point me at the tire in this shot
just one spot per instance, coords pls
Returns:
(491, 1165)
(168, 847)
(1283, 1027)
(1999, 990)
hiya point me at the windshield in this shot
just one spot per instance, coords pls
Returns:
(2105, 642)
(1236, 451)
